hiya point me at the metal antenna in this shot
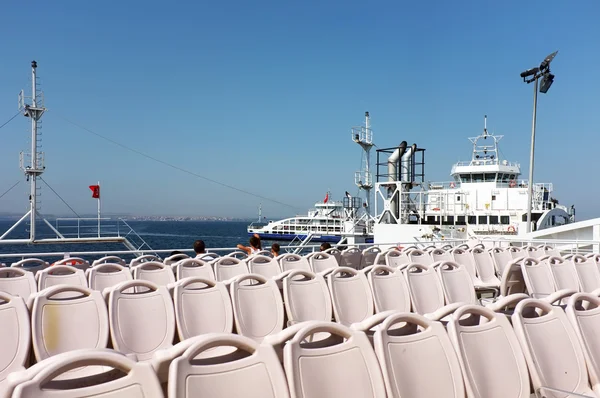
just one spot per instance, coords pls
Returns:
(363, 136)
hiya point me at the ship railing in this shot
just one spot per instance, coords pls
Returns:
(483, 162)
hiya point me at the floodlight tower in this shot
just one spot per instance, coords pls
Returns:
(529, 76)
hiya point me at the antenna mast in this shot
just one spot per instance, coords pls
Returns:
(363, 136)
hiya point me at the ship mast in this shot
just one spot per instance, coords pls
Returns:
(363, 136)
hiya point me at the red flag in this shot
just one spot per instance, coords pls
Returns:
(95, 191)
(326, 198)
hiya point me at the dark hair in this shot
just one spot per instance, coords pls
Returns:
(255, 242)
(275, 247)
(199, 246)
(175, 252)
(325, 246)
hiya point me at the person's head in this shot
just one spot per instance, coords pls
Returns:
(255, 242)
(325, 246)
(199, 247)
(175, 252)
(275, 249)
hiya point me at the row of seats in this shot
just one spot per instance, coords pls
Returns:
(478, 354)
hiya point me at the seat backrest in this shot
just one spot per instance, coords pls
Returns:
(456, 283)
(138, 380)
(266, 253)
(154, 272)
(207, 257)
(322, 261)
(306, 297)
(175, 258)
(441, 255)
(192, 267)
(484, 266)
(345, 368)
(238, 254)
(60, 275)
(263, 265)
(17, 282)
(583, 311)
(426, 292)
(351, 257)
(587, 272)
(332, 251)
(564, 273)
(143, 321)
(465, 257)
(351, 295)
(549, 251)
(76, 262)
(229, 267)
(106, 275)
(144, 259)
(420, 257)
(32, 265)
(389, 288)
(66, 324)
(512, 280)
(111, 260)
(396, 259)
(482, 337)
(501, 259)
(516, 252)
(538, 277)
(368, 256)
(252, 371)
(532, 251)
(202, 306)
(551, 347)
(257, 308)
(418, 362)
(15, 334)
(292, 261)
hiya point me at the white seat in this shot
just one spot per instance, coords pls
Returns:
(60, 275)
(32, 265)
(291, 261)
(550, 251)
(501, 259)
(154, 272)
(321, 261)
(332, 251)
(266, 253)
(351, 295)
(456, 283)
(346, 369)
(389, 288)
(306, 297)
(515, 252)
(253, 371)
(175, 258)
(489, 354)
(396, 259)
(587, 272)
(552, 351)
(107, 275)
(484, 266)
(143, 259)
(265, 266)
(540, 281)
(192, 267)
(441, 255)
(257, 308)
(368, 256)
(351, 257)
(426, 292)
(207, 257)
(420, 257)
(532, 251)
(15, 335)
(238, 254)
(111, 260)
(66, 324)
(564, 273)
(135, 379)
(227, 268)
(141, 322)
(17, 282)
(201, 306)
(465, 258)
(418, 362)
(76, 262)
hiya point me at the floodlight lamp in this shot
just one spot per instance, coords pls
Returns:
(547, 81)
(529, 72)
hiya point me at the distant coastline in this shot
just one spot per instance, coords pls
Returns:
(15, 217)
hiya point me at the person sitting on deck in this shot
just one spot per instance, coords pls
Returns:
(275, 249)
(199, 248)
(254, 247)
(325, 246)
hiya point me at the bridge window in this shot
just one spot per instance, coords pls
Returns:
(482, 220)
(477, 177)
(490, 177)
(465, 177)
(505, 178)
(472, 220)
(494, 220)
(504, 220)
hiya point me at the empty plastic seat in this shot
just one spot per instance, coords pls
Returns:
(389, 288)
(134, 380)
(207, 257)
(17, 282)
(227, 268)
(154, 272)
(550, 251)
(31, 264)
(60, 275)
(143, 259)
(107, 275)
(484, 265)
(564, 272)
(501, 259)
(532, 251)
(257, 308)
(351, 257)
(291, 261)
(253, 371)
(587, 272)
(332, 251)
(396, 259)
(266, 253)
(306, 297)
(441, 255)
(141, 322)
(426, 292)
(263, 265)
(192, 267)
(420, 257)
(456, 283)
(111, 260)
(552, 351)
(15, 335)
(489, 354)
(540, 281)
(175, 258)
(76, 262)
(368, 256)
(238, 254)
(351, 295)
(515, 252)
(465, 258)
(512, 280)
(202, 306)
(321, 261)
(66, 324)
(334, 368)
(418, 362)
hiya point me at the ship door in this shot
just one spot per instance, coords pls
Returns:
(495, 202)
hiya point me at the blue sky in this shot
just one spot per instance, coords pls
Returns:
(262, 96)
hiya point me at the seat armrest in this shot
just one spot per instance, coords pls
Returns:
(559, 295)
(444, 311)
(504, 302)
(372, 321)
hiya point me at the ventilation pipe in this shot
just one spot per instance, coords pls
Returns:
(406, 164)
(393, 176)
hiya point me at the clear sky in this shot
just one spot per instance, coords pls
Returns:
(262, 96)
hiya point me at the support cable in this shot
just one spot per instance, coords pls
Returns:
(10, 189)
(56, 193)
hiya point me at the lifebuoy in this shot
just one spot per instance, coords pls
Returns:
(452, 185)
(512, 183)
(511, 229)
